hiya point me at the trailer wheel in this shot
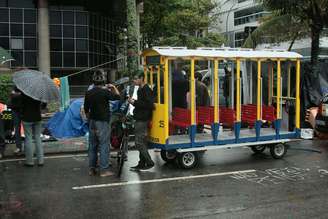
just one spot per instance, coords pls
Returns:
(258, 149)
(188, 160)
(168, 156)
(278, 151)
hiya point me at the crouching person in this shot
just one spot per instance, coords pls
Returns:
(96, 107)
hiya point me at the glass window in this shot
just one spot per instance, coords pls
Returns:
(16, 15)
(69, 59)
(21, 3)
(56, 59)
(30, 59)
(91, 46)
(81, 32)
(68, 17)
(4, 29)
(68, 31)
(16, 44)
(3, 3)
(16, 29)
(81, 18)
(4, 42)
(30, 16)
(55, 17)
(4, 14)
(55, 31)
(30, 44)
(81, 45)
(68, 45)
(91, 33)
(81, 59)
(18, 56)
(56, 45)
(30, 30)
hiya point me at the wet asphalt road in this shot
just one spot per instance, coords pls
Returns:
(294, 187)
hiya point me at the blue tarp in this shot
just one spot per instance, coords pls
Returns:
(69, 123)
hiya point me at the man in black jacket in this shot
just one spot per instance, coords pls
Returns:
(142, 114)
(96, 107)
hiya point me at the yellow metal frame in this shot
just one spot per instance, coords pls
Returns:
(298, 103)
(259, 81)
(163, 109)
(238, 94)
(192, 92)
(216, 91)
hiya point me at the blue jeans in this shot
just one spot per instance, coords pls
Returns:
(98, 140)
(29, 129)
(17, 124)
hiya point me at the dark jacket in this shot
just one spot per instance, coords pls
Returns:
(31, 109)
(144, 105)
(96, 103)
(16, 100)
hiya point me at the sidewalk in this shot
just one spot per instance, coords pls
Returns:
(72, 145)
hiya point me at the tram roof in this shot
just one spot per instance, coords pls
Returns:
(183, 52)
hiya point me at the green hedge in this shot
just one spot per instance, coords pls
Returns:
(6, 86)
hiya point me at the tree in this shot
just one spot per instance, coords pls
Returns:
(132, 37)
(179, 23)
(312, 13)
(277, 28)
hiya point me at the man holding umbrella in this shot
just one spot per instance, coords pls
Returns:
(36, 88)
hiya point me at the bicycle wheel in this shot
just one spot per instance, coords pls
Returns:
(121, 156)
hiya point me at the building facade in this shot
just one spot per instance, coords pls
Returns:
(238, 18)
(79, 36)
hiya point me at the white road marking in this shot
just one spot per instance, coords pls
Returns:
(161, 180)
(49, 157)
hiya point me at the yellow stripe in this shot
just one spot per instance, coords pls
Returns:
(166, 97)
(151, 76)
(258, 90)
(278, 89)
(238, 110)
(192, 91)
(146, 74)
(159, 84)
(298, 107)
(216, 91)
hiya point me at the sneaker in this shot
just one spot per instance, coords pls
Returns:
(17, 151)
(106, 173)
(138, 167)
(92, 172)
(147, 167)
(28, 165)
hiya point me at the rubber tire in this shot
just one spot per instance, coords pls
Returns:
(188, 160)
(166, 158)
(278, 154)
(258, 149)
(121, 159)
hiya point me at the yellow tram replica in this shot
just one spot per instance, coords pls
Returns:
(260, 86)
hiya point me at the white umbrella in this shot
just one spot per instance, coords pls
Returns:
(36, 85)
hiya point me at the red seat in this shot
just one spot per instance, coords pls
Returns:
(248, 114)
(181, 117)
(269, 113)
(205, 115)
(227, 116)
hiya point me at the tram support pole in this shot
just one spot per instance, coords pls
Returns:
(238, 101)
(259, 102)
(216, 125)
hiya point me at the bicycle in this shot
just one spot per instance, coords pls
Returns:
(125, 124)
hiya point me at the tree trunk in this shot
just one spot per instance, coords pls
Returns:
(315, 44)
(132, 34)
